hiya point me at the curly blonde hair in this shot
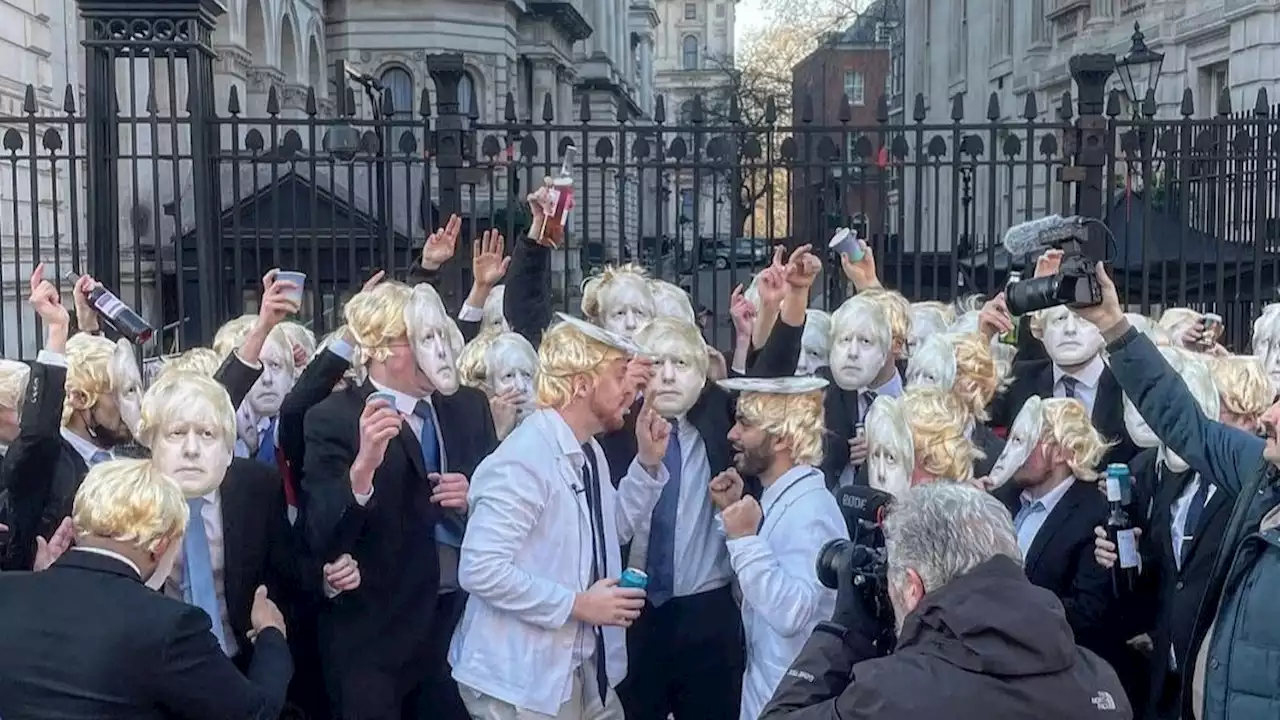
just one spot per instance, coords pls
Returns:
(375, 319)
(566, 355)
(939, 424)
(796, 420)
(593, 287)
(471, 367)
(130, 502)
(233, 333)
(1243, 385)
(200, 360)
(1066, 423)
(88, 371)
(946, 311)
(13, 383)
(977, 378)
(897, 311)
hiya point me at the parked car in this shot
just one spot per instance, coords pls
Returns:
(723, 252)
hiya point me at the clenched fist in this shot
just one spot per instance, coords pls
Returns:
(726, 489)
(652, 434)
(742, 518)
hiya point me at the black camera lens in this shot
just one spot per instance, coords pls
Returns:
(1031, 295)
(833, 559)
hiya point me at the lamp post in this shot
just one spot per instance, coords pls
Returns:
(1140, 73)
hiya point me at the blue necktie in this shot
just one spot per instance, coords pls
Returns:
(661, 559)
(99, 457)
(197, 579)
(267, 445)
(1194, 511)
(1069, 386)
(449, 528)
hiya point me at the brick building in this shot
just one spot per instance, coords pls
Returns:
(852, 191)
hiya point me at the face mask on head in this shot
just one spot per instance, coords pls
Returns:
(513, 371)
(127, 381)
(815, 344)
(431, 334)
(890, 449)
(677, 382)
(626, 305)
(268, 393)
(857, 354)
(191, 450)
(1024, 437)
(1070, 340)
(925, 323)
(933, 364)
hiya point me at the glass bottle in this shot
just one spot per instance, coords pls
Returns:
(557, 203)
(1122, 532)
(116, 313)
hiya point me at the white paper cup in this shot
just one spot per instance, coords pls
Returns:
(845, 242)
(386, 397)
(298, 279)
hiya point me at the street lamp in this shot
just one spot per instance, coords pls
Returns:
(1140, 70)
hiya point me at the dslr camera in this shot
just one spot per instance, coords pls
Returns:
(868, 565)
(1074, 285)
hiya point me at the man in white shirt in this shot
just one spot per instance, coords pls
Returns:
(542, 634)
(774, 543)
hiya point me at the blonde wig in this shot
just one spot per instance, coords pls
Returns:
(966, 322)
(1174, 319)
(671, 301)
(503, 347)
(1243, 385)
(130, 502)
(1003, 354)
(1066, 423)
(947, 311)
(494, 316)
(13, 383)
(940, 433)
(356, 373)
(897, 311)
(471, 366)
(977, 378)
(299, 335)
(89, 360)
(375, 319)
(675, 337)
(181, 392)
(233, 333)
(614, 276)
(567, 354)
(204, 361)
(796, 420)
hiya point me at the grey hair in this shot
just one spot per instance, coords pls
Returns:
(943, 530)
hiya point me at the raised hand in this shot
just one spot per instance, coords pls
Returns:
(652, 434)
(46, 301)
(276, 303)
(1048, 263)
(742, 312)
(862, 273)
(449, 490)
(505, 408)
(639, 372)
(86, 318)
(1107, 313)
(771, 283)
(372, 282)
(994, 318)
(441, 244)
(488, 265)
(726, 488)
(379, 422)
(343, 574)
(48, 551)
(604, 603)
(802, 268)
(742, 518)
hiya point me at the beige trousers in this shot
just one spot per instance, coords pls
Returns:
(583, 703)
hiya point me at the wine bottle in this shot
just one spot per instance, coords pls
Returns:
(124, 319)
(557, 203)
(1011, 337)
(1121, 531)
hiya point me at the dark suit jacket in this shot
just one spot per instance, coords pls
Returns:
(314, 385)
(526, 302)
(1036, 378)
(991, 446)
(86, 640)
(1060, 558)
(388, 619)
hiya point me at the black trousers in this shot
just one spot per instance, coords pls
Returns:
(686, 659)
(421, 689)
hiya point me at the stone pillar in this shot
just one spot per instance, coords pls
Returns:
(545, 83)
(646, 73)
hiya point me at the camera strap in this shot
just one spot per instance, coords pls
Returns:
(764, 515)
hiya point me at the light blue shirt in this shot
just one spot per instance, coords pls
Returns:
(1031, 517)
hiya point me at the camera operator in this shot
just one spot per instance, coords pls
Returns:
(975, 638)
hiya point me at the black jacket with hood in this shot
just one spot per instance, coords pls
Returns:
(987, 645)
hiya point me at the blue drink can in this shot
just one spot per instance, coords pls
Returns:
(633, 578)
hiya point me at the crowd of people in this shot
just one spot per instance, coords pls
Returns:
(501, 514)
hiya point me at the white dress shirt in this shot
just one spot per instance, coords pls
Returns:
(528, 553)
(782, 600)
(702, 558)
(83, 447)
(261, 425)
(111, 554)
(1037, 513)
(211, 514)
(1178, 523)
(1087, 379)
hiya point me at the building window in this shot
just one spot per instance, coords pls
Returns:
(1213, 80)
(1038, 34)
(690, 52)
(686, 205)
(690, 11)
(719, 10)
(466, 95)
(399, 83)
(855, 88)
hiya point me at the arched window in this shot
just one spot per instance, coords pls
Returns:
(690, 52)
(466, 95)
(399, 83)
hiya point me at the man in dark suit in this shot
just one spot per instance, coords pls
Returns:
(1055, 507)
(1075, 369)
(87, 640)
(385, 479)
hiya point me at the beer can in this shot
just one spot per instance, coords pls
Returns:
(633, 578)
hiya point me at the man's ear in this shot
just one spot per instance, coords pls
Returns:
(897, 346)
(81, 400)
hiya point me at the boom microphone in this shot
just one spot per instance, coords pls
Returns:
(1033, 236)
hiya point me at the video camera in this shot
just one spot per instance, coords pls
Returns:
(1076, 282)
(863, 555)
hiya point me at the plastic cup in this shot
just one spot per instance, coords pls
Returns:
(386, 397)
(845, 242)
(298, 279)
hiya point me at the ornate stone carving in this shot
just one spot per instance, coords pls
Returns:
(260, 79)
(233, 60)
(294, 96)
